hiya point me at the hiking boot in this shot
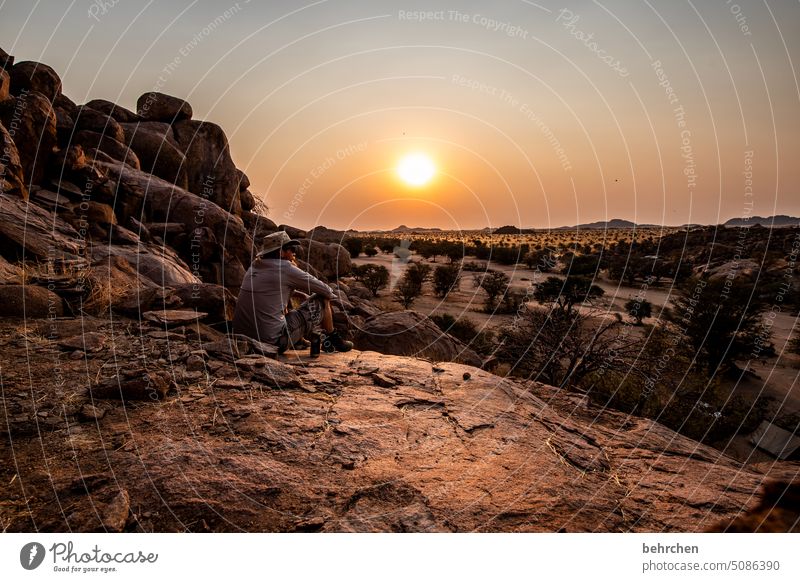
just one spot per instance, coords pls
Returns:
(332, 342)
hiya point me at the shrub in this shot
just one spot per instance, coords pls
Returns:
(410, 285)
(374, 277)
(446, 278)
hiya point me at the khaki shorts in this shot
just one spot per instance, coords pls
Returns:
(302, 321)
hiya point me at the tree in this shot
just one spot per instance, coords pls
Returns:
(354, 246)
(495, 284)
(638, 309)
(374, 277)
(562, 348)
(482, 341)
(445, 278)
(721, 320)
(582, 265)
(564, 294)
(409, 287)
(370, 251)
(542, 260)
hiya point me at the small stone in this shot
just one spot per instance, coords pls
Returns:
(115, 514)
(174, 316)
(195, 363)
(88, 342)
(91, 412)
(77, 355)
(467, 376)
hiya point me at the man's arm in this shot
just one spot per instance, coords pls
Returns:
(302, 281)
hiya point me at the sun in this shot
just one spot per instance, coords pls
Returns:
(416, 169)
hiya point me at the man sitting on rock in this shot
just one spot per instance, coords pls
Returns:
(262, 308)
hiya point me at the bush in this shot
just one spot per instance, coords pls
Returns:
(721, 321)
(410, 285)
(465, 330)
(638, 309)
(354, 246)
(495, 284)
(565, 294)
(374, 277)
(446, 278)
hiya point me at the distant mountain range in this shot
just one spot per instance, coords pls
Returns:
(775, 221)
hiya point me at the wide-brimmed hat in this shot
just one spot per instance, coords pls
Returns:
(275, 241)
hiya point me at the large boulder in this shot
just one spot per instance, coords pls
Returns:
(330, 259)
(5, 85)
(258, 226)
(87, 118)
(108, 145)
(113, 110)
(210, 169)
(29, 301)
(162, 201)
(12, 176)
(33, 76)
(158, 263)
(28, 231)
(31, 122)
(247, 200)
(6, 61)
(408, 333)
(158, 151)
(215, 300)
(156, 106)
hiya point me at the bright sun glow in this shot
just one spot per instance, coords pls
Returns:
(416, 169)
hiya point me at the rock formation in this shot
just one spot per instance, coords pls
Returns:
(215, 437)
(130, 406)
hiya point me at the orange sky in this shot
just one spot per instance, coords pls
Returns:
(537, 114)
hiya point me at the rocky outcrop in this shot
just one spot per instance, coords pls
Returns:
(162, 201)
(160, 264)
(31, 231)
(210, 169)
(5, 85)
(12, 176)
(330, 259)
(408, 333)
(156, 106)
(116, 112)
(349, 442)
(31, 121)
(108, 145)
(89, 119)
(29, 76)
(157, 151)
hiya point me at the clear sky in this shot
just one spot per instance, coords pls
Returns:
(539, 114)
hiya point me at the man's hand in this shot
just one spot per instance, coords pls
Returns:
(299, 295)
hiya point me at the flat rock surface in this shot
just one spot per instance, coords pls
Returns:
(354, 441)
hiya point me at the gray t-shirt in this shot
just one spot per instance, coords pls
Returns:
(265, 292)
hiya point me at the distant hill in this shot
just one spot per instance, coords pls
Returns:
(404, 228)
(778, 220)
(604, 224)
(508, 230)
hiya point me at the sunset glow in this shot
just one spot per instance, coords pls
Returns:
(416, 169)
